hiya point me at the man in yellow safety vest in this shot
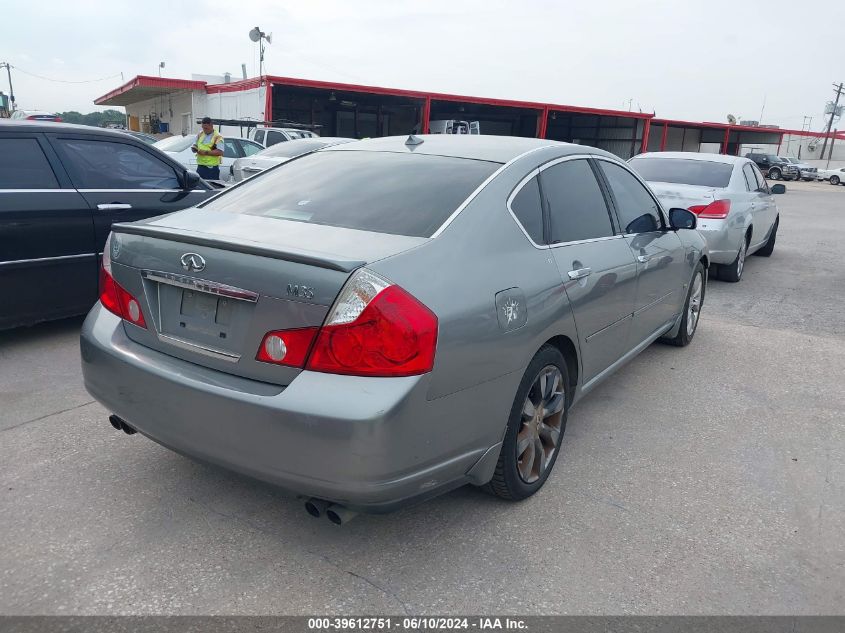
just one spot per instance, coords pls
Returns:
(209, 150)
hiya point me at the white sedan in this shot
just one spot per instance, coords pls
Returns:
(279, 153)
(834, 176)
(179, 148)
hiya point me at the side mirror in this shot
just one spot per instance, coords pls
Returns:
(778, 189)
(682, 219)
(190, 179)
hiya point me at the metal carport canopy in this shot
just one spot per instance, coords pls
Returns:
(542, 109)
(723, 133)
(144, 87)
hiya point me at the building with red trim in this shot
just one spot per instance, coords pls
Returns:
(358, 111)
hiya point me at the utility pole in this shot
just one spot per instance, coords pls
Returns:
(8, 68)
(832, 114)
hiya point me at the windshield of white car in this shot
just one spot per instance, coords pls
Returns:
(701, 173)
(175, 143)
(384, 192)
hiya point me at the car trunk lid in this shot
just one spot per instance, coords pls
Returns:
(674, 195)
(212, 284)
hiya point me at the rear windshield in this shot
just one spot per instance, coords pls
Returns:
(402, 194)
(683, 171)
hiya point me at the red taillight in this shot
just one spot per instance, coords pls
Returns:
(375, 329)
(287, 347)
(395, 335)
(117, 300)
(716, 210)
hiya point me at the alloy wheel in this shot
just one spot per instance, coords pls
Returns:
(694, 309)
(740, 260)
(540, 432)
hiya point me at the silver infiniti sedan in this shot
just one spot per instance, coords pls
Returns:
(379, 322)
(736, 212)
(244, 168)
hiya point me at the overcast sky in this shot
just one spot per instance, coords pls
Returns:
(681, 59)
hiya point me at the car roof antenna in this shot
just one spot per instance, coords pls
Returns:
(414, 140)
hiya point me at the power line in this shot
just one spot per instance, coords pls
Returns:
(64, 81)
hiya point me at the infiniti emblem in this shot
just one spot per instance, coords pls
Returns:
(192, 262)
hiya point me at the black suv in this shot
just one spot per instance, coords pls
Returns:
(775, 167)
(61, 187)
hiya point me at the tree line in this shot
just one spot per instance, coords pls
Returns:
(97, 119)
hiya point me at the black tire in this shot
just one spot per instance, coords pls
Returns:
(507, 482)
(733, 272)
(834, 180)
(774, 173)
(769, 246)
(684, 335)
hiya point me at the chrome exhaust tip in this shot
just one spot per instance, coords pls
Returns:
(121, 425)
(316, 507)
(340, 515)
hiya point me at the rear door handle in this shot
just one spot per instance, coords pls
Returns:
(114, 207)
(643, 258)
(580, 273)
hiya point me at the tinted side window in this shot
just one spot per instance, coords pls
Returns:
(638, 212)
(23, 165)
(577, 210)
(750, 178)
(259, 136)
(274, 137)
(761, 182)
(528, 209)
(108, 165)
(230, 149)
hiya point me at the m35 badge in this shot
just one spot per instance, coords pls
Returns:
(300, 292)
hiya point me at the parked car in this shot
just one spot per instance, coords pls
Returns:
(774, 167)
(807, 172)
(293, 328)
(268, 136)
(736, 212)
(833, 176)
(279, 153)
(35, 115)
(179, 148)
(149, 139)
(61, 187)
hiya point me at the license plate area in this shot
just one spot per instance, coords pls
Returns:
(211, 318)
(199, 314)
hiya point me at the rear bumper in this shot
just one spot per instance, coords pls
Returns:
(722, 239)
(372, 444)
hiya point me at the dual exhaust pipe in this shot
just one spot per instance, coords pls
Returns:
(121, 425)
(334, 512)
